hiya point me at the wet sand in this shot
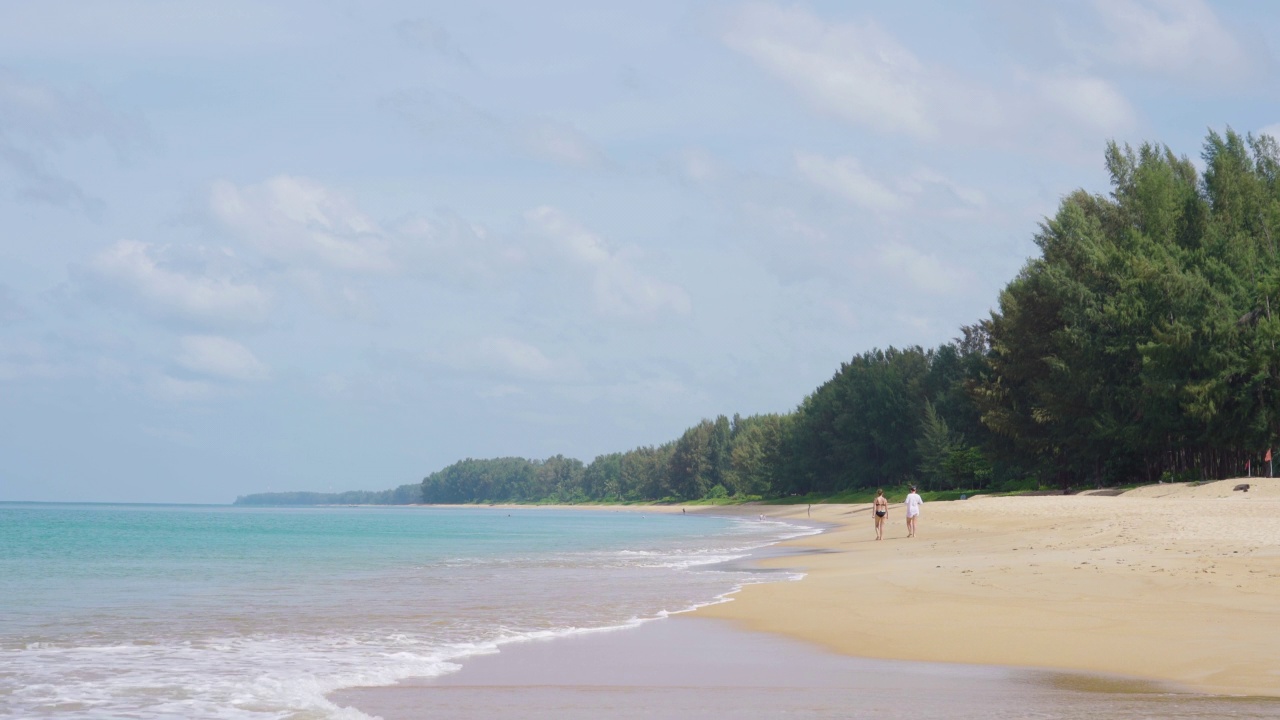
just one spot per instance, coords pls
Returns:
(689, 667)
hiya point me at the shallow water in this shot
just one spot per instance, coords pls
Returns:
(227, 612)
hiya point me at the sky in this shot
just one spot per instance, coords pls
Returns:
(319, 245)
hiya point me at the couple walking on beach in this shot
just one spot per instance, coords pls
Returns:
(881, 508)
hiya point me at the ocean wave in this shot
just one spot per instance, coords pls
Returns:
(283, 667)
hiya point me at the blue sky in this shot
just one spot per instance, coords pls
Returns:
(318, 245)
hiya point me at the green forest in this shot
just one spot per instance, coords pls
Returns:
(1140, 345)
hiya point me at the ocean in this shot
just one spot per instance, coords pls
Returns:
(169, 611)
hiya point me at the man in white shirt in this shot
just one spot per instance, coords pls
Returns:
(913, 503)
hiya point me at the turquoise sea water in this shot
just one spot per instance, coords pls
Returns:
(226, 612)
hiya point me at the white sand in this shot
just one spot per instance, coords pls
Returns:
(1171, 582)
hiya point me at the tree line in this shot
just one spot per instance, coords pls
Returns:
(1140, 344)
(403, 495)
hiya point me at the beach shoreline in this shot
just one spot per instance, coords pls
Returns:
(1169, 583)
(1146, 603)
(1057, 603)
(697, 667)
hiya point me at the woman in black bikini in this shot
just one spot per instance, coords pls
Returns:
(881, 508)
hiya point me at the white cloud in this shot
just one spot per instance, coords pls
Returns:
(924, 271)
(134, 272)
(1180, 37)
(862, 74)
(219, 357)
(324, 241)
(618, 287)
(453, 250)
(506, 358)
(845, 178)
(515, 357)
(1090, 101)
(178, 390)
(297, 221)
(571, 239)
(698, 166)
(923, 179)
(858, 72)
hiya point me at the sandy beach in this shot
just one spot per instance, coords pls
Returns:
(1160, 602)
(1173, 583)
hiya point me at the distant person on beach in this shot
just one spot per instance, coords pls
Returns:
(881, 508)
(913, 503)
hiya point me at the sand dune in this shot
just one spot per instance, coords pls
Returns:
(1177, 583)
